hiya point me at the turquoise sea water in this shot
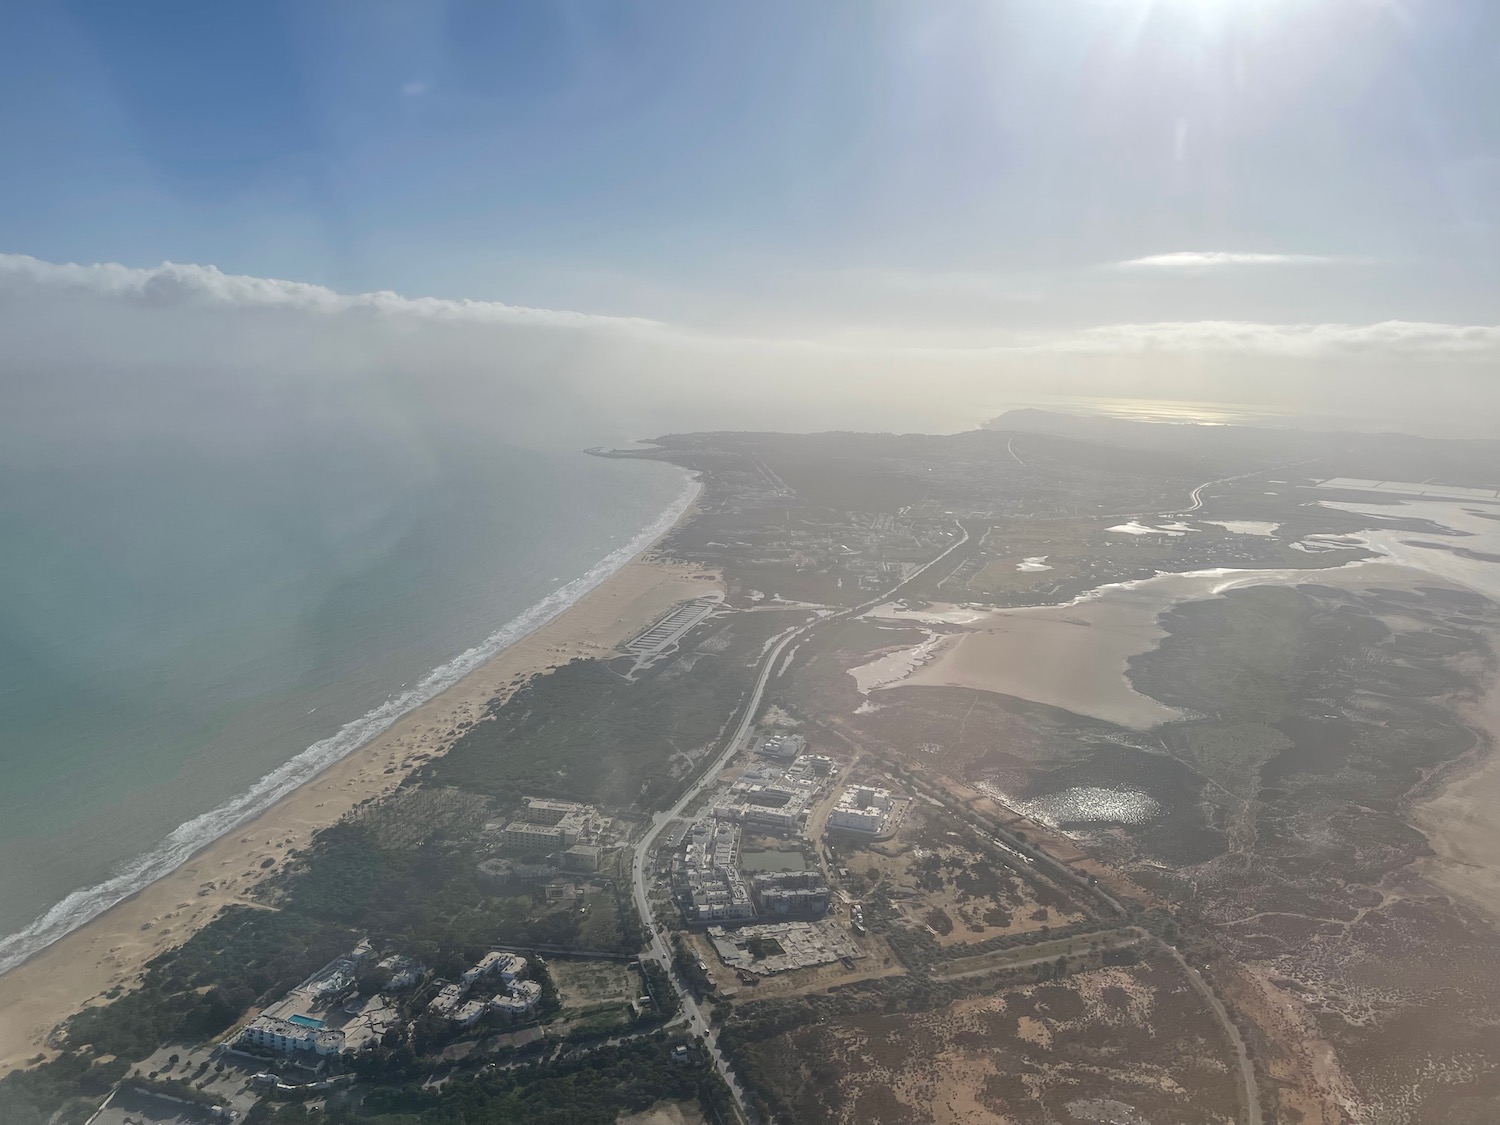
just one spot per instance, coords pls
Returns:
(184, 636)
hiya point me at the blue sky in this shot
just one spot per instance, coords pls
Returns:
(915, 175)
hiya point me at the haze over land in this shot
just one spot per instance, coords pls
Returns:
(883, 721)
(552, 224)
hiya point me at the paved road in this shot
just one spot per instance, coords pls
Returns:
(1249, 1091)
(658, 949)
(1197, 495)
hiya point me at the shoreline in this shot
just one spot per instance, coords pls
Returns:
(1076, 655)
(111, 950)
(1454, 810)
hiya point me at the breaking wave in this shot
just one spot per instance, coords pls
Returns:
(188, 838)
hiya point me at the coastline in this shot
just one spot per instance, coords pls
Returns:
(111, 950)
(1456, 814)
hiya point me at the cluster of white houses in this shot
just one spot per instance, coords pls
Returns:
(517, 997)
(706, 876)
(287, 1027)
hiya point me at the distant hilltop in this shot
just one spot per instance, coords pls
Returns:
(1326, 453)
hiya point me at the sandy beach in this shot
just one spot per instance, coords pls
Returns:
(112, 950)
(1459, 817)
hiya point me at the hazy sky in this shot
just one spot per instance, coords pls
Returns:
(1237, 199)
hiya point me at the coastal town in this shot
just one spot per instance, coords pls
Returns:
(833, 794)
(680, 563)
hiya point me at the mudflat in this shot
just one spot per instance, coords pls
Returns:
(1459, 819)
(1076, 656)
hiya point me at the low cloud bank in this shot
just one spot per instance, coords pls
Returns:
(104, 356)
(1390, 339)
(172, 283)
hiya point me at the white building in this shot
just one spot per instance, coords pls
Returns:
(862, 809)
(540, 810)
(784, 746)
(468, 1014)
(520, 998)
(710, 844)
(720, 893)
(523, 836)
(446, 1002)
(404, 972)
(286, 1035)
(508, 966)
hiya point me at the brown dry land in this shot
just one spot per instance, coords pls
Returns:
(111, 951)
(1462, 818)
(1340, 730)
(586, 985)
(961, 896)
(1043, 950)
(1135, 1033)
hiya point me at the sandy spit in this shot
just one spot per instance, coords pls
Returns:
(112, 950)
(1459, 818)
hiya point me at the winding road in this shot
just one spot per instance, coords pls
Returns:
(658, 950)
(1197, 494)
(1249, 1090)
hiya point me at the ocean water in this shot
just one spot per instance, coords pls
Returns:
(185, 636)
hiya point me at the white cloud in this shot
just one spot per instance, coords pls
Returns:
(1392, 339)
(1221, 259)
(174, 284)
(105, 354)
(414, 89)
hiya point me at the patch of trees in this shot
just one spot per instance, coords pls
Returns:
(584, 733)
(939, 920)
(429, 901)
(69, 1086)
(194, 992)
(590, 1089)
(659, 985)
(685, 961)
